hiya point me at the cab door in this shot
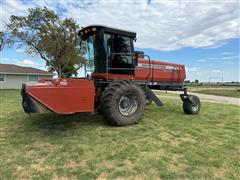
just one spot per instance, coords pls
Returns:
(120, 57)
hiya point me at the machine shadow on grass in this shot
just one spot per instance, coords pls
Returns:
(56, 122)
(51, 123)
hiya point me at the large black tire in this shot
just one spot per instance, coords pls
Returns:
(189, 108)
(122, 103)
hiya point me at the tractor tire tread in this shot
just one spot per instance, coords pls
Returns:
(109, 106)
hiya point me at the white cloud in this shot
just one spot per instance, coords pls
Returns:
(201, 60)
(27, 62)
(20, 50)
(192, 69)
(228, 63)
(221, 58)
(226, 53)
(230, 57)
(5, 59)
(216, 71)
(21, 62)
(213, 58)
(9, 8)
(162, 25)
(204, 74)
(8, 60)
(193, 73)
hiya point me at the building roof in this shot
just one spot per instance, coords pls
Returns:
(15, 69)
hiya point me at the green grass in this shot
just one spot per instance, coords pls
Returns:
(166, 144)
(211, 86)
(218, 90)
(221, 92)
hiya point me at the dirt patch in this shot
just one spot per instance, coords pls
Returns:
(83, 164)
(22, 173)
(219, 172)
(60, 178)
(102, 176)
(41, 144)
(176, 167)
(105, 164)
(154, 154)
(220, 125)
(188, 138)
(169, 139)
(41, 167)
(128, 164)
(205, 97)
(154, 174)
(120, 178)
(175, 164)
(71, 165)
(140, 177)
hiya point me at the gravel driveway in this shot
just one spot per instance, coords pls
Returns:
(205, 97)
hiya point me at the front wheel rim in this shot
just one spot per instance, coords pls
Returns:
(195, 107)
(128, 105)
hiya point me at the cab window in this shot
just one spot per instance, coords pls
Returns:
(119, 53)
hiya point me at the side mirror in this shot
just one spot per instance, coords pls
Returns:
(135, 59)
(136, 62)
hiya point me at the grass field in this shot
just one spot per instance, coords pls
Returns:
(229, 91)
(221, 92)
(166, 144)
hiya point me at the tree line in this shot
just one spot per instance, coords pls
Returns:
(44, 34)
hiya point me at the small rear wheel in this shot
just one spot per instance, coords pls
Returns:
(122, 103)
(192, 107)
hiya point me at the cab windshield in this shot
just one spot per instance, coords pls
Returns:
(94, 54)
(87, 50)
(110, 53)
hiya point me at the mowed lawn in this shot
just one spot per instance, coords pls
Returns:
(166, 144)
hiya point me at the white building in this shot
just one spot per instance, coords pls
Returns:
(13, 76)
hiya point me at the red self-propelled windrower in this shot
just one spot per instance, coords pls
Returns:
(118, 81)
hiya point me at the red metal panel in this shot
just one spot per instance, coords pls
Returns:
(156, 71)
(112, 76)
(64, 95)
(159, 71)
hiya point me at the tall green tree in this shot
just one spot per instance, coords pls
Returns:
(46, 35)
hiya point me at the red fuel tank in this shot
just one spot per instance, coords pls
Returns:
(154, 70)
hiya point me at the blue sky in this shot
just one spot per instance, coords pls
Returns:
(203, 35)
